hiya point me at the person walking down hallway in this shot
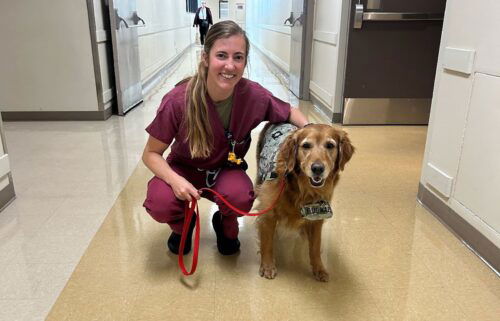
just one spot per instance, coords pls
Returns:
(203, 19)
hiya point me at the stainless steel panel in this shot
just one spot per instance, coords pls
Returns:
(360, 16)
(386, 111)
(124, 23)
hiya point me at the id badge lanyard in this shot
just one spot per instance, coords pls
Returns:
(231, 156)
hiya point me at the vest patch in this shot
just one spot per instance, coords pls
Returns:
(317, 211)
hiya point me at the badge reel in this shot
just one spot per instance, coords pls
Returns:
(316, 211)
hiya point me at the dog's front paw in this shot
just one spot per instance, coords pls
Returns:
(268, 271)
(321, 275)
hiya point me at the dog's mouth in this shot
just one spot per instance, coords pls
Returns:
(316, 181)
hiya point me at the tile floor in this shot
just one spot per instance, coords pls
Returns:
(77, 245)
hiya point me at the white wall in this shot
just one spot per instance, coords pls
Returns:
(45, 56)
(264, 25)
(462, 157)
(168, 32)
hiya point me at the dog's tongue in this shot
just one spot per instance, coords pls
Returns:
(316, 181)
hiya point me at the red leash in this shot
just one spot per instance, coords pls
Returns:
(192, 208)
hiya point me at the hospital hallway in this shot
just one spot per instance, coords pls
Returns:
(76, 244)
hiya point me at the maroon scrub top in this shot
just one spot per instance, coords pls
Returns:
(252, 104)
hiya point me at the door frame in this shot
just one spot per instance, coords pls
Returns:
(338, 99)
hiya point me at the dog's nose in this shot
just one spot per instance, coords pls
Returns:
(317, 168)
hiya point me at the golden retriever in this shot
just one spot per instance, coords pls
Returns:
(309, 160)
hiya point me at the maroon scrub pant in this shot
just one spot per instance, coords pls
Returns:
(232, 183)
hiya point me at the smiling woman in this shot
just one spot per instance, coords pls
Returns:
(209, 119)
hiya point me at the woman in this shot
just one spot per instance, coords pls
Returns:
(206, 118)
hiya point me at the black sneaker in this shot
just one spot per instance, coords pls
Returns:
(225, 245)
(174, 241)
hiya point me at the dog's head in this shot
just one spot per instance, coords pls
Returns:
(317, 151)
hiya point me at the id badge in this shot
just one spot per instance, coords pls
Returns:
(316, 211)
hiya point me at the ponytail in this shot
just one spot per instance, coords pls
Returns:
(199, 130)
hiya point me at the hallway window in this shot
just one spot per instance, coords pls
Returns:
(191, 5)
(223, 9)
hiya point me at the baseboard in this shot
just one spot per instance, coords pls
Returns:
(321, 108)
(158, 76)
(281, 74)
(56, 115)
(7, 195)
(480, 245)
(337, 118)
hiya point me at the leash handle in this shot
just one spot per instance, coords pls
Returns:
(191, 209)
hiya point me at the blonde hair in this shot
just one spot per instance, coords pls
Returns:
(197, 123)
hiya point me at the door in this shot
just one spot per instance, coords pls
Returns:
(124, 24)
(301, 23)
(391, 60)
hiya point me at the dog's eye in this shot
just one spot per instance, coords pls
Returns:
(306, 145)
(330, 145)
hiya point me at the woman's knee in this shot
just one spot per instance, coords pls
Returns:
(242, 199)
(161, 202)
(237, 188)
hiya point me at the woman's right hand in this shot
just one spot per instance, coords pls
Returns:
(183, 189)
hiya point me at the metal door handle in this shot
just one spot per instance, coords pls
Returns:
(136, 19)
(401, 16)
(360, 16)
(299, 19)
(119, 20)
(289, 19)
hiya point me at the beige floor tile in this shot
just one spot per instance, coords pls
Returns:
(459, 269)
(417, 304)
(18, 310)
(110, 291)
(479, 302)
(337, 305)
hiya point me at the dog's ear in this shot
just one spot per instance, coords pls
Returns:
(287, 156)
(345, 150)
